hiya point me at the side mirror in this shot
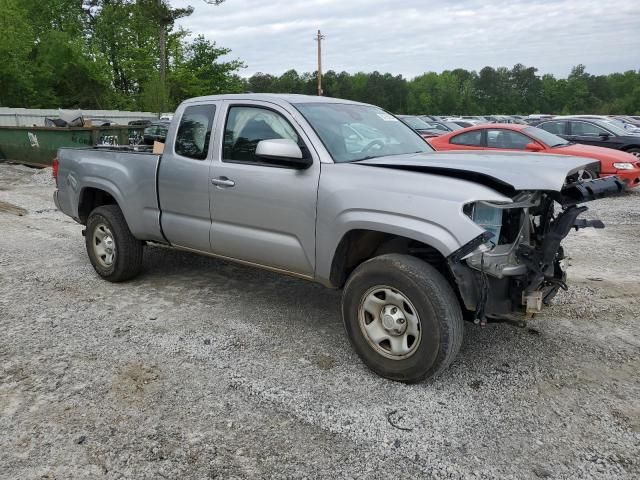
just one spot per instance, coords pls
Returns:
(283, 152)
(605, 135)
(533, 147)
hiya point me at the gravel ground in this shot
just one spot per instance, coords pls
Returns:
(204, 369)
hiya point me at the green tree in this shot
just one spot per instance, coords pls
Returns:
(199, 71)
(16, 39)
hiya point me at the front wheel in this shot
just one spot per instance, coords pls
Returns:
(587, 174)
(113, 251)
(402, 318)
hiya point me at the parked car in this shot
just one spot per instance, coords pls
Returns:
(532, 139)
(442, 125)
(462, 122)
(476, 118)
(599, 133)
(156, 132)
(628, 120)
(100, 122)
(412, 237)
(420, 126)
(140, 123)
(606, 119)
(509, 119)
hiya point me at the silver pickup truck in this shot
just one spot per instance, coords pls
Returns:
(343, 194)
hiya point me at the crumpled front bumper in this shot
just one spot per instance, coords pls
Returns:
(495, 296)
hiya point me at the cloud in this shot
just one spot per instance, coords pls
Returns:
(410, 37)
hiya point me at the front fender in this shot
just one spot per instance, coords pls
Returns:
(422, 207)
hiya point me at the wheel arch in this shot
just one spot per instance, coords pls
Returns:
(626, 148)
(92, 197)
(360, 244)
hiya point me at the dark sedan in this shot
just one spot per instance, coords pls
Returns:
(600, 133)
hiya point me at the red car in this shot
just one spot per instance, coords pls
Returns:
(531, 139)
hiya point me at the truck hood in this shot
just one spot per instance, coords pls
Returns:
(502, 171)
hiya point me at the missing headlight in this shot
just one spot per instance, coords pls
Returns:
(489, 218)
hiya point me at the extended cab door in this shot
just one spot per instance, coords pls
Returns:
(183, 177)
(262, 214)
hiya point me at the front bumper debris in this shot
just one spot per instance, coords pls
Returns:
(535, 271)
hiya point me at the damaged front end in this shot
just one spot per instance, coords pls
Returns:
(518, 264)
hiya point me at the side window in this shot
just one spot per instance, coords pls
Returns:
(586, 129)
(498, 138)
(246, 126)
(471, 139)
(194, 131)
(557, 128)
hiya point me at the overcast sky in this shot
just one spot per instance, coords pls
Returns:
(410, 37)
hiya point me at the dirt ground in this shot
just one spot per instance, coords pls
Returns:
(204, 369)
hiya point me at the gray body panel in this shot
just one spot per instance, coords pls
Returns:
(128, 177)
(268, 216)
(293, 220)
(522, 171)
(423, 207)
(184, 192)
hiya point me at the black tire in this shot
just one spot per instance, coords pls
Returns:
(127, 260)
(589, 174)
(635, 151)
(438, 309)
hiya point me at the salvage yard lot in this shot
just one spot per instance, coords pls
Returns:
(201, 368)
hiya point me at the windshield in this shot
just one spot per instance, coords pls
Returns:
(545, 137)
(416, 123)
(612, 125)
(618, 127)
(357, 132)
(453, 126)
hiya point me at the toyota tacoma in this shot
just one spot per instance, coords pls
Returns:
(346, 195)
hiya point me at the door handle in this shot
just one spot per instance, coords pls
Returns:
(223, 182)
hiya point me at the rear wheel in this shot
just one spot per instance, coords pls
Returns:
(402, 317)
(113, 251)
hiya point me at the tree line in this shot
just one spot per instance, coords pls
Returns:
(130, 55)
(517, 90)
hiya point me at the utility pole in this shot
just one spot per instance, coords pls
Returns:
(319, 39)
(162, 42)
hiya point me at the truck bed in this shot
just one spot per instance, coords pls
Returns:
(128, 176)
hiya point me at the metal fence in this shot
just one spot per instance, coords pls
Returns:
(29, 117)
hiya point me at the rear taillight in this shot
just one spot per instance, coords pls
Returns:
(55, 165)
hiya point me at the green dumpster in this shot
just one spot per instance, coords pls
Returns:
(39, 145)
